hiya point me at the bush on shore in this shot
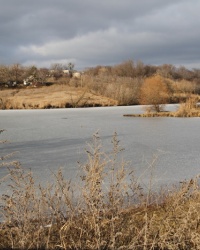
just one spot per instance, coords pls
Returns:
(107, 209)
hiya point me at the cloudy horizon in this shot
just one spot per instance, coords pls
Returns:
(90, 33)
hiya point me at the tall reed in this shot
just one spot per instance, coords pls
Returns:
(105, 208)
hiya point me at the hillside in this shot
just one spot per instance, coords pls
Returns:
(55, 96)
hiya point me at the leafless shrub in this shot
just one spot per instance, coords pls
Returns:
(189, 108)
(154, 92)
(125, 90)
(184, 87)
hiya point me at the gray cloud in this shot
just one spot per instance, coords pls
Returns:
(92, 32)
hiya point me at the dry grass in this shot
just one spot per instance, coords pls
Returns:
(103, 89)
(54, 96)
(125, 90)
(107, 209)
(187, 109)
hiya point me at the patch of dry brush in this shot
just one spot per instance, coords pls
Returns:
(54, 96)
(108, 209)
(189, 108)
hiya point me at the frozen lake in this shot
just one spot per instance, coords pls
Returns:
(48, 139)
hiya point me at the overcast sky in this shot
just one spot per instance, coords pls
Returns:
(100, 32)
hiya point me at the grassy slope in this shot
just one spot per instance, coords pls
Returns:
(55, 96)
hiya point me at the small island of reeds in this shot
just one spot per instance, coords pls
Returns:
(190, 108)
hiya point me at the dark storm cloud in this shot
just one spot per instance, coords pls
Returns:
(92, 32)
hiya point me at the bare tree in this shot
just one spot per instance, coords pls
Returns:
(4, 74)
(140, 70)
(43, 75)
(57, 70)
(31, 71)
(16, 72)
(184, 73)
(166, 70)
(125, 69)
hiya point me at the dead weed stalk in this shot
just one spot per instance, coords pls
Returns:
(105, 209)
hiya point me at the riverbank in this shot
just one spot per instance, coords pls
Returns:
(172, 224)
(101, 210)
(54, 96)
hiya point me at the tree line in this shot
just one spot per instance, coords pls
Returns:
(139, 69)
(18, 73)
(129, 83)
(133, 83)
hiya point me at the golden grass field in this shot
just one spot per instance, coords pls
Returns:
(54, 96)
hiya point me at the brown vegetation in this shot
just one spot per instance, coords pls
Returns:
(189, 108)
(124, 90)
(108, 209)
(155, 92)
(122, 84)
(54, 96)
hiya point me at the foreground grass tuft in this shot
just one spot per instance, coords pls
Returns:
(107, 209)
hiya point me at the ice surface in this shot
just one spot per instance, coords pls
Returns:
(48, 139)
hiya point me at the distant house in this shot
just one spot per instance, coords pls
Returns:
(76, 74)
(72, 73)
(26, 83)
(66, 71)
(30, 80)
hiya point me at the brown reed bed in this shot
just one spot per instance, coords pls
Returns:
(189, 108)
(105, 208)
